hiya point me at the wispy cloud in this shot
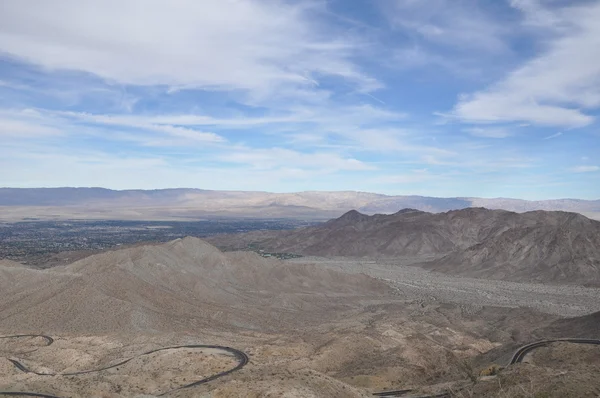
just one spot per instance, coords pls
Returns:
(553, 88)
(279, 157)
(555, 135)
(414, 176)
(178, 132)
(226, 45)
(536, 14)
(458, 24)
(489, 132)
(584, 169)
(21, 129)
(298, 95)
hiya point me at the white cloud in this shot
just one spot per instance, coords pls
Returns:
(419, 57)
(555, 135)
(272, 158)
(185, 133)
(458, 24)
(554, 88)
(584, 169)
(255, 46)
(489, 132)
(416, 176)
(24, 129)
(342, 121)
(178, 132)
(27, 123)
(332, 115)
(60, 166)
(536, 14)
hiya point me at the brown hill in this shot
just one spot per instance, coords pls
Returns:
(179, 285)
(408, 232)
(587, 327)
(545, 246)
(533, 246)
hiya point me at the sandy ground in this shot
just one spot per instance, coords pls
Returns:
(417, 283)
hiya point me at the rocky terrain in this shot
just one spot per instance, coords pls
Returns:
(420, 284)
(534, 246)
(311, 327)
(193, 204)
(181, 285)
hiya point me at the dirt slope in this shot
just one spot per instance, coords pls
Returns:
(179, 285)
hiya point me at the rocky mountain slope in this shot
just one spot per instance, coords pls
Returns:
(586, 327)
(100, 203)
(533, 246)
(408, 232)
(545, 247)
(179, 285)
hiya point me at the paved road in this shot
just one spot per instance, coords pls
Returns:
(516, 358)
(402, 393)
(526, 349)
(243, 359)
(241, 356)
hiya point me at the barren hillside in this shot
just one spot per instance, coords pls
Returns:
(546, 247)
(309, 330)
(175, 286)
(407, 232)
(497, 244)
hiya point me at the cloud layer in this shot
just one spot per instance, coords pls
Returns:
(557, 87)
(433, 97)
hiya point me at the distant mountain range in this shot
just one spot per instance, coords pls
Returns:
(190, 204)
(537, 246)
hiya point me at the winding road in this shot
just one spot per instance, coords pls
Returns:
(243, 359)
(518, 357)
(526, 349)
(241, 356)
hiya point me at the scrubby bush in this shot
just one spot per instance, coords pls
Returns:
(491, 370)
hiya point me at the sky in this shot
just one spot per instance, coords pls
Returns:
(497, 98)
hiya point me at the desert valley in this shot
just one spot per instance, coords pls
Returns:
(410, 304)
(300, 198)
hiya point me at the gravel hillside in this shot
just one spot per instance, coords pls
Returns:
(179, 285)
(548, 247)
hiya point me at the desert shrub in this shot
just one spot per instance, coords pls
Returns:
(491, 370)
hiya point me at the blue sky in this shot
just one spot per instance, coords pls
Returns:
(427, 97)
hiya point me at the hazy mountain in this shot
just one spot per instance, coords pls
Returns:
(409, 232)
(533, 246)
(100, 203)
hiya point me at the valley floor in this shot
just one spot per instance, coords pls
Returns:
(417, 283)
